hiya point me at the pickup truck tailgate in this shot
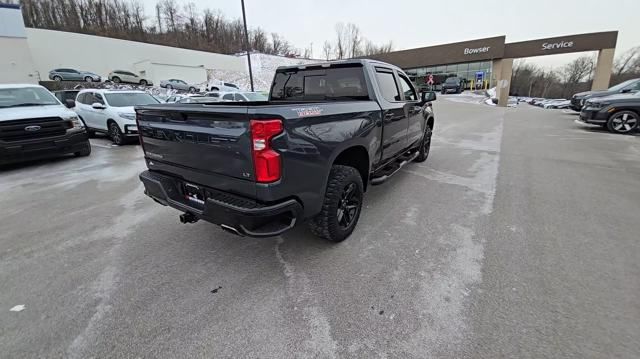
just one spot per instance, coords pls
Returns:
(198, 140)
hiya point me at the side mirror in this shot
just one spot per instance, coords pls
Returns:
(428, 96)
(69, 103)
(98, 106)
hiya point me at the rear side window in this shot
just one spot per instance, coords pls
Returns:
(318, 84)
(388, 85)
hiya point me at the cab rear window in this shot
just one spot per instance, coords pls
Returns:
(320, 84)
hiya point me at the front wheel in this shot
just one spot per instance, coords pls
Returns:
(85, 152)
(425, 146)
(342, 205)
(192, 89)
(88, 79)
(143, 82)
(115, 79)
(623, 122)
(116, 135)
(57, 78)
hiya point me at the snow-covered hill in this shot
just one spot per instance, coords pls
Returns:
(264, 67)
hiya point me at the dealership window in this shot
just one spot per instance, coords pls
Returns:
(452, 68)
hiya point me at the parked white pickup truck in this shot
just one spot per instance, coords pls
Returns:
(34, 124)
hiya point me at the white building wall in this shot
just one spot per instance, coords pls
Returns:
(16, 63)
(53, 49)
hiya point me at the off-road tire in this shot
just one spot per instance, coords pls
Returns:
(326, 224)
(85, 152)
(424, 146)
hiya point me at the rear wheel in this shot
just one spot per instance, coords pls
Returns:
(116, 135)
(623, 122)
(342, 205)
(192, 89)
(425, 146)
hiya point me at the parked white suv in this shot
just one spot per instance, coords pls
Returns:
(119, 76)
(111, 112)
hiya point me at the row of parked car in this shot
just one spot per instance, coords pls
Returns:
(129, 77)
(616, 109)
(36, 123)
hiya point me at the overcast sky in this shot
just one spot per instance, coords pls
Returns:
(419, 23)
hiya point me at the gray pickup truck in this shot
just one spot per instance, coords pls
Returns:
(257, 169)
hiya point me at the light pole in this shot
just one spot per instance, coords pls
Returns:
(246, 38)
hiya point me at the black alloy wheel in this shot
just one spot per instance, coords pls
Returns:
(425, 146)
(348, 206)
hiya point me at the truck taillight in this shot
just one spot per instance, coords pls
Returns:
(265, 160)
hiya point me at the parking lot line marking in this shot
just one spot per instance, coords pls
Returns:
(101, 146)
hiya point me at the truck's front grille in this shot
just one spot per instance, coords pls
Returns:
(33, 128)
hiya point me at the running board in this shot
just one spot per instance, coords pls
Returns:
(384, 178)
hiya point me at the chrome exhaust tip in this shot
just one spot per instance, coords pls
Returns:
(230, 229)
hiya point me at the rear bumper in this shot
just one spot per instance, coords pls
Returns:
(26, 150)
(233, 213)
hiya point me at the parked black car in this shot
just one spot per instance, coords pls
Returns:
(618, 113)
(453, 84)
(629, 86)
(259, 168)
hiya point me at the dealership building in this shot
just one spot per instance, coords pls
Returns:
(488, 62)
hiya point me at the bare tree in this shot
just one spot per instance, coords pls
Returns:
(327, 50)
(353, 40)
(308, 51)
(628, 62)
(341, 41)
(575, 72)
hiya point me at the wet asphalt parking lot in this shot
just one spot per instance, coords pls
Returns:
(518, 238)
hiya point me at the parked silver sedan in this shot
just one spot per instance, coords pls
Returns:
(73, 75)
(178, 85)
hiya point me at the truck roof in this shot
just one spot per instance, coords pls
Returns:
(14, 86)
(339, 62)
